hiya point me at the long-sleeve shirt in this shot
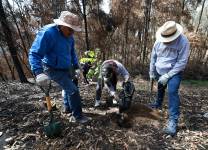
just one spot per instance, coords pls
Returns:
(170, 58)
(120, 69)
(53, 49)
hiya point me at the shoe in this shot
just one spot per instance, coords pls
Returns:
(155, 106)
(81, 120)
(171, 128)
(97, 103)
(66, 110)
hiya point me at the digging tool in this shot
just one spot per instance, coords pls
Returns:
(151, 89)
(53, 128)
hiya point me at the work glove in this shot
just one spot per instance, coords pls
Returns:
(126, 78)
(115, 97)
(164, 79)
(78, 72)
(42, 80)
(152, 76)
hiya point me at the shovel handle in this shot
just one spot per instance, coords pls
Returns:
(151, 85)
(151, 89)
(48, 102)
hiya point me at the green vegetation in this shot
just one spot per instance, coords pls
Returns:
(92, 57)
(203, 83)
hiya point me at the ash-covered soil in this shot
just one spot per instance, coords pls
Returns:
(23, 115)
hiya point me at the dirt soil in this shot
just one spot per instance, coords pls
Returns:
(23, 115)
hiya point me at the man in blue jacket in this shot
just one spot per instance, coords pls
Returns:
(52, 55)
(168, 60)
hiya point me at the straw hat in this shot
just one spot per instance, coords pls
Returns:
(68, 19)
(169, 31)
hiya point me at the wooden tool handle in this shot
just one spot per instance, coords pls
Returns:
(48, 102)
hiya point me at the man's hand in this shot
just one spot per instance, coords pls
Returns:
(114, 95)
(164, 79)
(78, 72)
(42, 79)
(126, 78)
(152, 76)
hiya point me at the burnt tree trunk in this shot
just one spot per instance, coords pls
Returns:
(147, 11)
(85, 24)
(10, 42)
(7, 61)
(200, 16)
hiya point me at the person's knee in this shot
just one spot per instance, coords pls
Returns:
(172, 91)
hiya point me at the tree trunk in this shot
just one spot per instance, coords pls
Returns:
(10, 42)
(147, 11)
(20, 35)
(85, 23)
(7, 61)
(24, 22)
(200, 16)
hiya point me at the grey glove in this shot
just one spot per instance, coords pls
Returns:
(152, 76)
(126, 78)
(164, 79)
(42, 79)
(78, 72)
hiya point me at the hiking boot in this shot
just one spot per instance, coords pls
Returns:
(97, 103)
(81, 120)
(66, 110)
(155, 106)
(171, 128)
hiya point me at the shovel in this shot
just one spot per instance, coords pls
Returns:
(53, 128)
(151, 89)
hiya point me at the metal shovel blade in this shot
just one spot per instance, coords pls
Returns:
(52, 129)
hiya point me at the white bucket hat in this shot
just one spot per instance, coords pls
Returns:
(68, 19)
(169, 31)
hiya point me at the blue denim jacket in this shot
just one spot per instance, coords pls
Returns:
(51, 48)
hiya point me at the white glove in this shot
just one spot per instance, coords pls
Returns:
(42, 79)
(112, 93)
(126, 78)
(115, 96)
(164, 79)
(77, 72)
(152, 76)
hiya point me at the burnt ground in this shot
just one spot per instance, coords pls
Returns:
(23, 114)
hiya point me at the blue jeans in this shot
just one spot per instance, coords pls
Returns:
(63, 79)
(173, 85)
(66, 98)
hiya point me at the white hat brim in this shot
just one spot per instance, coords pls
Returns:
(60, 22)
(160, 38)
